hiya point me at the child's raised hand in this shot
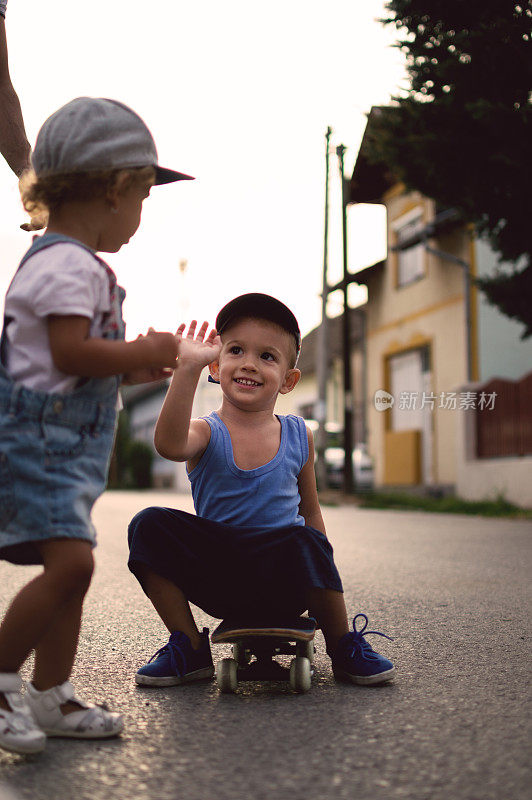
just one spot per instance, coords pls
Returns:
(195, 348)
(146, 374)
(164, 347)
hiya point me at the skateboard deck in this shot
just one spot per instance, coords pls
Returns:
(291, 629)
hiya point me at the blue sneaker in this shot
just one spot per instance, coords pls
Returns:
(177, 662)
(355, 660)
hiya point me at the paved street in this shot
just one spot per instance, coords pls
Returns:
(452, 590)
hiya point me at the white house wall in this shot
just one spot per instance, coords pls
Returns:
(489, 478)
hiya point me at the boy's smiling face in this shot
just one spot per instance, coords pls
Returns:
(255, 364)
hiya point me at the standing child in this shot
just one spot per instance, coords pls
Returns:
(258, 542)
(62, 357)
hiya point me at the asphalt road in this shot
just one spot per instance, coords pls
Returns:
(452, 590)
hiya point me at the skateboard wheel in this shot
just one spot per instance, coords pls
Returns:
(226, 675)
(300, 674)
(306, 649)
(240, 654)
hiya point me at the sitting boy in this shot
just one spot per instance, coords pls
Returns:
(258, 542)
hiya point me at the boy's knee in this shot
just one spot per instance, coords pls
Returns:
(144, 521)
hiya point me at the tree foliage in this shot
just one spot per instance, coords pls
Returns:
(131, 461)
(462, 133)
(140, 457)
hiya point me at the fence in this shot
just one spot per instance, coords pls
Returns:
(505, 429)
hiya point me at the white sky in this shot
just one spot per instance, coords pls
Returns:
(238, 94)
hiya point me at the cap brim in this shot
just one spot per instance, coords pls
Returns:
(163, 175)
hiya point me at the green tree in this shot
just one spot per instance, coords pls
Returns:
(118, 470)
(462, 133)
(140, 457)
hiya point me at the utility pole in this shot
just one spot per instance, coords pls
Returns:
(322, 345)
(346, 342)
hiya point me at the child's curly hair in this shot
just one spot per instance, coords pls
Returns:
(49, 193)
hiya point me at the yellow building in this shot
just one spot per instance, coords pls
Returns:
(430, 334)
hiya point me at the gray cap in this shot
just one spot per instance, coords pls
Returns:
(94, 133)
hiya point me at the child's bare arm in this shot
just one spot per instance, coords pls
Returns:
(74, 352)
(177, 437)
(309, 507)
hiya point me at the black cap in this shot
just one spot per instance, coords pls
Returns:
(261, 306)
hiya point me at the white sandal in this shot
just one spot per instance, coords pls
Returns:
(18, 731)
(90, 722)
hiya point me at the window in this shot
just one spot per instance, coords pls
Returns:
(411, 260)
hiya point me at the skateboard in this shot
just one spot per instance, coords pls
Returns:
(264, 639)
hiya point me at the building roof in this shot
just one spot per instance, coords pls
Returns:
(309, 345)
(360, 277)
(369, 180)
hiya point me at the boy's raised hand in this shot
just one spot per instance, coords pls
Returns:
(195, 348)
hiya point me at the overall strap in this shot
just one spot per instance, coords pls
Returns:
(41, 243)
(49, 239)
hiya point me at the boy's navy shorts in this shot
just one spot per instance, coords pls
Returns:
(227, 570)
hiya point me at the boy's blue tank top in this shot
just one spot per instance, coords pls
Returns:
(265, 497)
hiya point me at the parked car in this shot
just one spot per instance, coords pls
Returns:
(363, 476)
(362, 468)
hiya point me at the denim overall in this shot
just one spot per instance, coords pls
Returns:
(55, 448)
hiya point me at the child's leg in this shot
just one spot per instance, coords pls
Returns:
(52, 598)
(56, 651)
(353, 658)
(170, 604)
(187, 656)
(328, 608)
